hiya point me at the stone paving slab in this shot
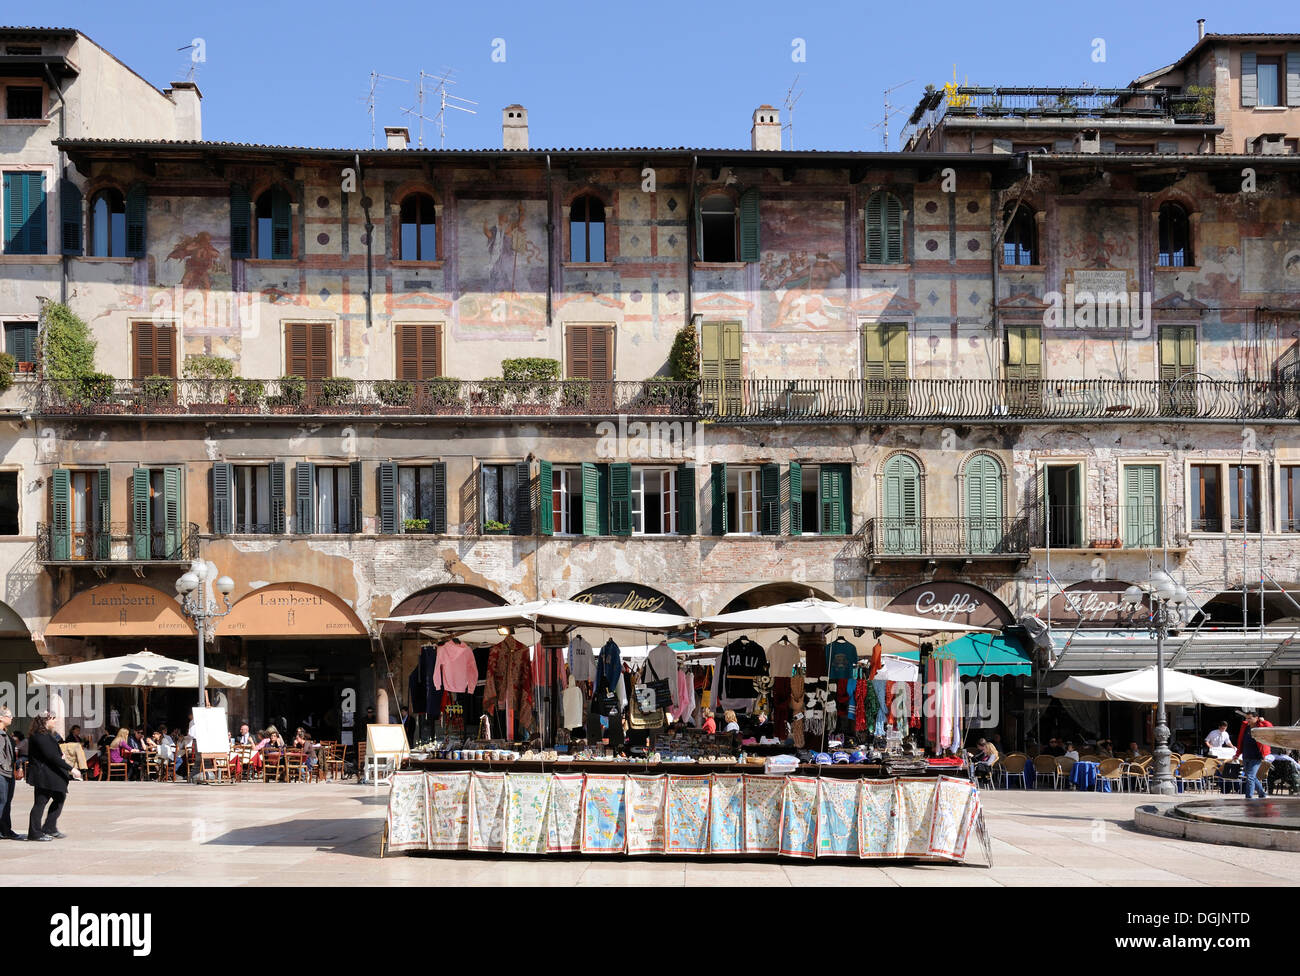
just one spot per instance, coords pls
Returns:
(326, 834)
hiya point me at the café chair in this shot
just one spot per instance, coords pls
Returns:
(295, 765)
(1191, 773)
(1138, 772)
(271, 766)
(1047, 767)
(1111, 771)
(334, 761)
(114, 767)
(1066, 765)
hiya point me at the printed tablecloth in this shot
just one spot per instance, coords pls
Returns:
(722, 813)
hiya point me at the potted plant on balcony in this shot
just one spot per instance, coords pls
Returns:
(7, 366)
(657, 394)
(158, 394)
(493, 527)
(395, 395)
(208, 382)
(533, 381)
(95, 392)
(337, 394)
(490, 396)
(443, 395)
(575, 396)
(293, 390)
(415, 525)
(245, 396)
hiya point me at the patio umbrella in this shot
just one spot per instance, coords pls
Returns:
(559, 614)
(1181, 688)
(814, 613)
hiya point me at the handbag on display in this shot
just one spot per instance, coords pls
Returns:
(605, 703)
(662, 692)
(644, 718)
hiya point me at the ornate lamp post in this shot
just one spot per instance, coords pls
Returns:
(201, 607)
(1167, 599)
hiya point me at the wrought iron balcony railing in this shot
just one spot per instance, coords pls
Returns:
(888, 537)
(1108, 526)
(1091, 103)
(119, 542)
(738, 401)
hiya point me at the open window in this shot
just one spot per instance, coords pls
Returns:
(1020, 244)
(419, 235)
(587, 230)
(158, 513)
(1175, 232)
(718, 228)
(1063, 505)
(108, 224)
(273, 225)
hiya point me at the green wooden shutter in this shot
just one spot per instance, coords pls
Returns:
(685, 499)
(1249, 80)
(769, 499)
(354, 494)
(20, 341)
(983, 504)
(388, 520)
(620, 499)
(137, 207)
(60, 514)
(141, 516)
(902, 505)
(438, 518)
(796, 498)
(173, 512)
(70, 214)
(833, 499)
(749, 243)
(590, 499)
(24, 213)
(545, 498)
(223, 485)
(104, 529)
(523, 520)
(279, 497)
(1293, 78)
(1141, 505)
(699, 230)
(241, 236)
(281, 224)
(893, 230)
(304, 492)
(875, 247)
(718, 488)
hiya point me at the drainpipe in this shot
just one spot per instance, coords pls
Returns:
(550, 242)
(63, 115)
(690, 241)
(370, 244)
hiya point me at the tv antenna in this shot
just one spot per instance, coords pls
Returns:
(446, 100)
(890, 112)
(791, 96)
(375, 78)
(192, 71)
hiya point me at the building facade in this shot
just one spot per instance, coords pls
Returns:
(319, 370)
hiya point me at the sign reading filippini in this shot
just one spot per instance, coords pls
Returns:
(102, 930)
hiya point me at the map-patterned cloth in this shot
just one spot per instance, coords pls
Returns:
(604, 815)
(956, 807)
(877, 825)
(645, 814)
(688, 814)
(799, 817)
(408, 816)
(727, 814)
(487, 812)
(564, 818)
(763, 800)
(527, 806)
(915, 813)
(837, 817)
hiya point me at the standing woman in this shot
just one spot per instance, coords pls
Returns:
(49, 773)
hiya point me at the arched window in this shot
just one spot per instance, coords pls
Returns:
(1175, 237)
(718, 228)
(587, 230)
(419, 238)
(983, 476)
(274, 225)
(902, 503)
(1020, 245)
(108, 224)
(884, 229)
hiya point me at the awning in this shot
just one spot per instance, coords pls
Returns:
(1180, 689)
(1204, 650)
(984, 655)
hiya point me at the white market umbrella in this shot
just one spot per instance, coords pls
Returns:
(558, 613)
(828, 613)
(1181, 688)
(144, 669)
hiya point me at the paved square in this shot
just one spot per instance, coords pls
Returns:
(322, 834)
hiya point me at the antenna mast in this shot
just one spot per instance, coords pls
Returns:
(375, 76)
(890, 112)
(446, 101)
(790, 98)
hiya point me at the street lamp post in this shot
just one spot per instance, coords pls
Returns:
(1167, 599)
(197, 604)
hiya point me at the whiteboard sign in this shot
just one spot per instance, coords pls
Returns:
(211, 735)
(387, 740)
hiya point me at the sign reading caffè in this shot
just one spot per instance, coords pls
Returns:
(627, 596)
(949, 601)
(1093, 604)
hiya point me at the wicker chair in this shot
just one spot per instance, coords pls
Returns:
(1111, 771)
(1138, 773)
(1191, 774)
(1047, 767)
(1011, 768)
(1066, 765)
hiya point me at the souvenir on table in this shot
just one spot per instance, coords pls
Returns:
(487, 811)
(877, 825)
(564, 817)
(527, 804)
(956, 808)
(645, 814)
(727, 814)
(687, 818)
(448, 806)
(408, 813)
(837, 817)
(799, 817)
(915, 813)
(604, 814)
(763, 802)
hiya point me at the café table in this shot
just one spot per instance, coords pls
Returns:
(1084, 777)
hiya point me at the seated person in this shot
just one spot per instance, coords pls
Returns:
(730, 718)
(1283, 770)
(164, 746)
(303, 742)
(244, 736)
(1070, 752)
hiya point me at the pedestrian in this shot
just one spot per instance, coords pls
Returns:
(1220, 737)
(8, 770)
(1252, 753)
(49, 773)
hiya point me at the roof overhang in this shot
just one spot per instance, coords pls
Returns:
(35, 66)
(1207, 650)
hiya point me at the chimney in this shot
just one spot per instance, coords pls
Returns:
(398, 136)
(1200, 28)
(514, 127)
(187, 116)
(765, 134)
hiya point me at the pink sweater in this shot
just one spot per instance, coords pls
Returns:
(456, 669)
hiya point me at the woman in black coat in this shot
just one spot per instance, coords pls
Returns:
(48, 773)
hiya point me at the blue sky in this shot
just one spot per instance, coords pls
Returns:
(628, 74)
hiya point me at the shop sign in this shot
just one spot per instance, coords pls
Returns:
(952, 602)
(626, 596)
(120, 610)
(291, 610)
(1092, 604)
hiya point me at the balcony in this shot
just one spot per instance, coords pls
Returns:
(294, 397)
(1075, 103)
(118, 544)
(939, 539)
(1108, 527)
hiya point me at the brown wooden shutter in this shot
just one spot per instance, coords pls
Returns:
(576, 353)
(154, 350)
(307, 350)
(419, 350)
(589, 352)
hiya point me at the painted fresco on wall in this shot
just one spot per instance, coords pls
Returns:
(801, 271)
(502, 263)
(1270, 265)
(1098, 236)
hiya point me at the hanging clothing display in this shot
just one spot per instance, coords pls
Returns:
(582, 660)
(662, 660)
(743, 660)
(782, 657)
(456, 669)
(609, 666)
(796, 710)
(573, 707)
(685, 707)
(509, 684)
(841, 657)
(876, 653)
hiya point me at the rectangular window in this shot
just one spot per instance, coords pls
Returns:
(24, 102)
(1064, 501)
(251, 499)
(20, 341)
(499, 482)
(566, 500)
(86, 513)
(743, 500)
(1177, 366)
(1290, 500)
(308, 350)
(1243, 497)
(415, 494)
(884, 366)
(154, 350)
(1268, 75)
(419, 350)
(589, 352)
(24, 213)
(1206, 503)
(810, 495)
(334, 500)
(9, 503)
(654, 501)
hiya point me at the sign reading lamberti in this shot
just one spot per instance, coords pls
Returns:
(291, 610)
(952, 602)
(119, 610)
(1098, 602)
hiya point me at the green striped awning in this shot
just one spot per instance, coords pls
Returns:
(983, 655)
